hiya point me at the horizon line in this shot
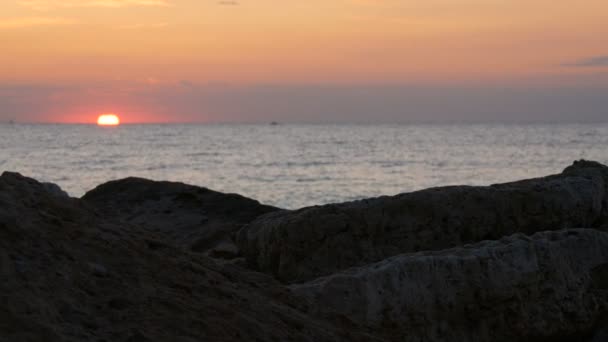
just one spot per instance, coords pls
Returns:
(279, 123)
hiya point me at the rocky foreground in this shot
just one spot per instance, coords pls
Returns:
(138, 260)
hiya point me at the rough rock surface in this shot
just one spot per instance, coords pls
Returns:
(69, 274)
(552, 284)
(311, 242)
(194, 217)
(121, 264)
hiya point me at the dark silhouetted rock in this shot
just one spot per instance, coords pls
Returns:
(123, 264)
(68, 273)
(193, 217)
(311, 242)
(552, 286)
(55, 190)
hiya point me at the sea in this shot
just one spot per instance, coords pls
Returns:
(297, 165)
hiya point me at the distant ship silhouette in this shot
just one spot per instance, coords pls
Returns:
(274, 123)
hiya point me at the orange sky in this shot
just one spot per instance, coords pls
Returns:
(158, 43)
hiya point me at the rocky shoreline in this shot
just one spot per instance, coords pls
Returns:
(140, 260)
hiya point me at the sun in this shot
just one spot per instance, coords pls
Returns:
(108, 120)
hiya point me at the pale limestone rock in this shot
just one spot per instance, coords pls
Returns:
(549, 286)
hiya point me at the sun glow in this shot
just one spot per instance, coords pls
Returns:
(108, 120)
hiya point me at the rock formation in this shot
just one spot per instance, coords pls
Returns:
(519, 288)
(311, 242)
(69, 274)
(137, 260)
(194, 217)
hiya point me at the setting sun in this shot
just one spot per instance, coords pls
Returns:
(108, 120)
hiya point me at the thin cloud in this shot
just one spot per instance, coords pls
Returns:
(187, 84)
(598, 61)
(42, 5)
(143, 26)
(25, 22)
(228, 3)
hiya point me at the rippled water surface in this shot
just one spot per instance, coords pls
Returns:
(298, 165)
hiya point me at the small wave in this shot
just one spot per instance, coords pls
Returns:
(588, 133)
(156, 167)
(312, 180)
(390, 163)
(204, 154)
(309, 164)
(257, 179)
(105, 161)
(60, 179)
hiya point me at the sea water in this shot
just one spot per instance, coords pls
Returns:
(291, 165)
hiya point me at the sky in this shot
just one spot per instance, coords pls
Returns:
(205, 61)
